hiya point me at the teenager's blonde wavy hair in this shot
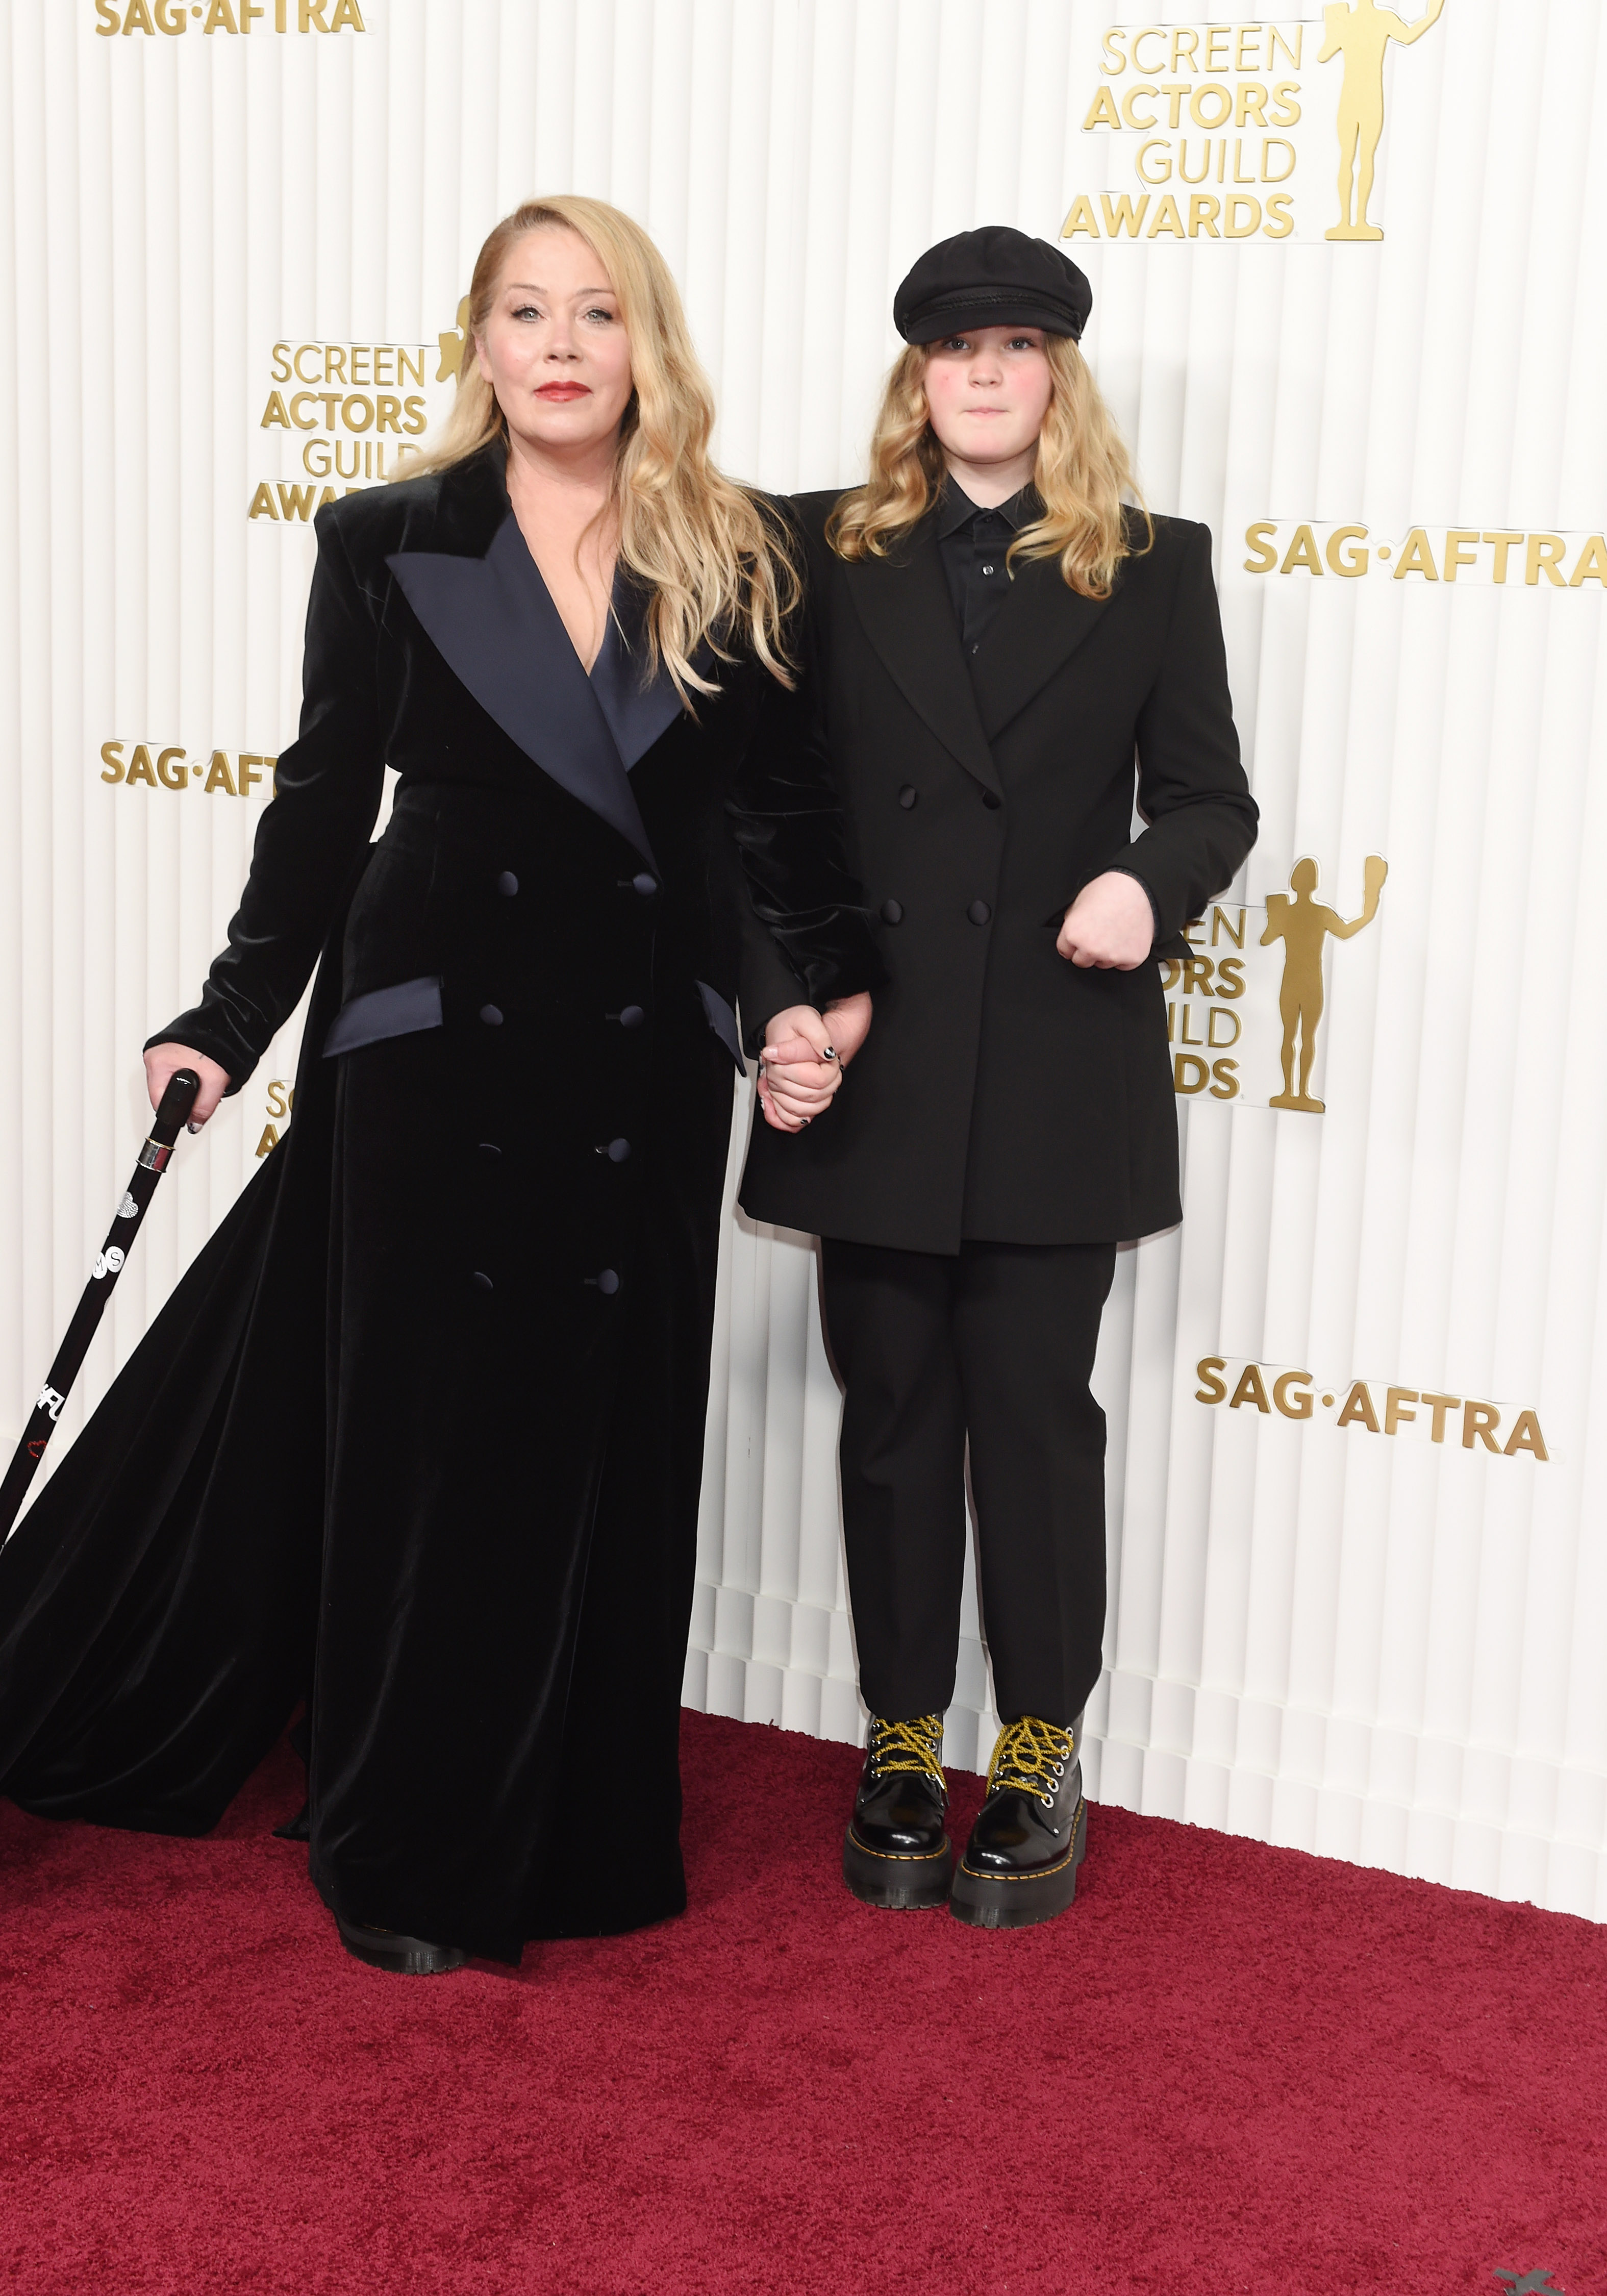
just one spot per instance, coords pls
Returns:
(1082, 474)
(712, 560)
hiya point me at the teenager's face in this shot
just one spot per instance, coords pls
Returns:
(553, 348)
(987, 392)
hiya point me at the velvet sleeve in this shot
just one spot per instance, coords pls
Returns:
(1192, 787)
(328, 783)
(806, 937)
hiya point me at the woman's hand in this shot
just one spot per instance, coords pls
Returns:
(801, 1068)
(162, 1060)
(1110, 924)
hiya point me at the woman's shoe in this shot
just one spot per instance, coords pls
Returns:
(408, 1957)
(1019, 1865)
(897, 1852)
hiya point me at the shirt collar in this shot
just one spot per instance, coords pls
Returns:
(956, 509)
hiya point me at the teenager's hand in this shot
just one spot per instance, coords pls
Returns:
(1110, 924)
(850, 1020)
(796, 1080)
(162, 1060)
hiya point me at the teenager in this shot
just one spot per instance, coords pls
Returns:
(1010, 654)
(420, 1435)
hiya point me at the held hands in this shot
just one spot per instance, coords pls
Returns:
(1110, 924)
(804, 1057)
(162, 1060)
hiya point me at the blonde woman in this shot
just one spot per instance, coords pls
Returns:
(1012, 654)
(420, 1437)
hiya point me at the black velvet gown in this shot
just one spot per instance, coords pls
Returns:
(419, 1436)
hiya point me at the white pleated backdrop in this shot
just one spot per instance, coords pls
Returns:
(1359, 1643)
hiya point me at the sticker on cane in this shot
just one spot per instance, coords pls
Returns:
(49, 1400)
(107, 1262)
(127, 1209)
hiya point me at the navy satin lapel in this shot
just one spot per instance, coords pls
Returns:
(494, 623)
(636, 714)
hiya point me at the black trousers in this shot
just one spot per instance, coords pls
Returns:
(996, 1344)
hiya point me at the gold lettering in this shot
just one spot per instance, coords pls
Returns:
(1197, 975)
(1229, 1020)
(140, 768)
(1205, 164)
(1221, 105)
(300, 399)
(1395, 1399)
(1545, 554)
(302, 351)
(113, 765)
(1220, 924)
(262, 502)
(169, 771)
(1079, 217)
(311, 15)
(138, 20)
(1203, 209)
(1213, 61)
(1417, 558)
(1123, 217)
(274, 414)
(1227, 1073)
(1251, 1390)
(1593, 563)
(1455, 554)
(1280, 217)
(1175, 92)
(1192, 926)
(247, 777)
(414, 410)
(1230, 974)
(1276, 40)
(1145, 177)
(1281, 1389)
(1211, 1389)
(382, 356)
(106, 23)
(1112, 48)
(1150, 32)
(1503, 542)
(295, 502)
(1129, 117)
(1243, 60)
(218, 776)
(1439, 1405)
(1101, 113)
(1185, 42)
(1189, 1071)
(1480, 1422)
(268, 1142)
(409, 364)
(178, 21)
(1263, 557)
(1184, 1036)
(1285, 94)
(1526, 1436)
(315, 458)
(347, 12)
(1302, 551)
(1334, 553)
(1236, 201)
(221, 17)
(1358, 1405)
(365, 407)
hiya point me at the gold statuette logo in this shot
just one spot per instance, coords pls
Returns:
(1221, 131)
(1303, 925)
(1239, 1022)
(1361, 31)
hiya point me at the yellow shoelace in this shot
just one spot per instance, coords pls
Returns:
(1030, 1757)
(908, 1746)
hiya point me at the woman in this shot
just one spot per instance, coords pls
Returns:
(428, 1411)
(1000, 638)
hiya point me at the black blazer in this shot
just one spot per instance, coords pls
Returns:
(432, 646)
(1003, 1094)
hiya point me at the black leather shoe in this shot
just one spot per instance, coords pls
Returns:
(1021, 1863)
(898, 1850)
(407, 1956)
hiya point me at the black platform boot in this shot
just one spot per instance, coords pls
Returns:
(405, 1956)
(1021, 1863)
(897, 1851)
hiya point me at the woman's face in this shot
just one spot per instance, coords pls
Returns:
(553, 347)
(987, 392)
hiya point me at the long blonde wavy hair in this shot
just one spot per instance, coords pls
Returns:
(712, 560)
(1082, 475)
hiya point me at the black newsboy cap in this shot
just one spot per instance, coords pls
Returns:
(995, 277)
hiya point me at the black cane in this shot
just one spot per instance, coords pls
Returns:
(177, 1103)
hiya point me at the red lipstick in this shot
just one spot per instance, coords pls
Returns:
(559, 392)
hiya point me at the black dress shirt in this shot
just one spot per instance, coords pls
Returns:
(972, 544)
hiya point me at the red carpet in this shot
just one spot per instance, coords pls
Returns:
(1229, 2068)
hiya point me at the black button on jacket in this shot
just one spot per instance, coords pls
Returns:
(1004, 1095)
